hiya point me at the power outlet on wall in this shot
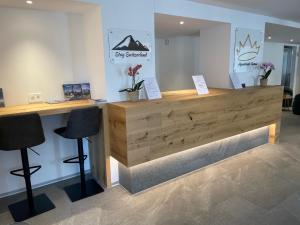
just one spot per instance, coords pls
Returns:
(34, 97)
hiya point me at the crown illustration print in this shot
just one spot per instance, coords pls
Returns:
(247, 50)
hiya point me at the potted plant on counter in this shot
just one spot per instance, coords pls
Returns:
(267, 69)
(134, 91)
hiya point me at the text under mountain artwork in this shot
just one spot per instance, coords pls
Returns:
(248, 50)
(127, 46)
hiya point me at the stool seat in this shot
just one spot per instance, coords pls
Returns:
(81, 123)
(19, 133)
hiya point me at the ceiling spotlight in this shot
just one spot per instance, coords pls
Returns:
(181, 22)
(269, 37)
(292, 40)
(29, 2)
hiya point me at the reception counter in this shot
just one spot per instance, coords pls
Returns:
(147, 131)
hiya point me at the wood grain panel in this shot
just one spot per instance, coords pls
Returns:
(146, 130)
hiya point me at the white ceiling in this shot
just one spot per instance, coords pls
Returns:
(285, 9)
(55, 5)
(168, 26)
(282, 34)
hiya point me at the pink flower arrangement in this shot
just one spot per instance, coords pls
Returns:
(267, 68)
(133, 72)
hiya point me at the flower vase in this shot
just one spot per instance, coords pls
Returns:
(133, 96)
(263, 82)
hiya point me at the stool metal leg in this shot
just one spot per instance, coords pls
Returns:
(32, 206)
(26, 169)
(85, 188)
(81, 165)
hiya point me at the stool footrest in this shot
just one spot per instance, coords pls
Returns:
(71, 160)
(15, 172)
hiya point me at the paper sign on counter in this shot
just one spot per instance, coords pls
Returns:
(152, 88)
(235, 80)
(200, 84)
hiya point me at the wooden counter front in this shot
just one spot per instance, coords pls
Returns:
(147, 130)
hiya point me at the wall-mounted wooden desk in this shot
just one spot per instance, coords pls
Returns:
(46, 109)
(147, 130)
(99, 150)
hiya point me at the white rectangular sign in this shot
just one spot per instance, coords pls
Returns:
(248, 51)
(129, 46)
(152, 88)
(235, 81)
(200, 84)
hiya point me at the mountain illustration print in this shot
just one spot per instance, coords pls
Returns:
(129, 44)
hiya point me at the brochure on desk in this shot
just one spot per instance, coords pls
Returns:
(77, 91)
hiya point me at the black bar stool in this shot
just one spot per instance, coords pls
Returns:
(82, 123)
(20, 133)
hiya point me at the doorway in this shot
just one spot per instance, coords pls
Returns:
(288, 66)
(281, 47)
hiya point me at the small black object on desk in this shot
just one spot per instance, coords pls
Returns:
(82, 123)
(20, 133)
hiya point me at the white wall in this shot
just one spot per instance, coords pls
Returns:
(94, 54)
(273, 52)
(215, 55)
(177, 62)
(118, 14)
(41, 50)
(234, 17)
(35, 52)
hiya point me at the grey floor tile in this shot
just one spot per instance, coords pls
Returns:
(278, 216)
(292, 205)
(241, 209)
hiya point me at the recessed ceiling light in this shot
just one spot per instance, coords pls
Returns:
(181, 22)
(29, 2)
(292, 40)
(269, 37)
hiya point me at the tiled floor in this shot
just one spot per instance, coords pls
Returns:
(259, 187)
